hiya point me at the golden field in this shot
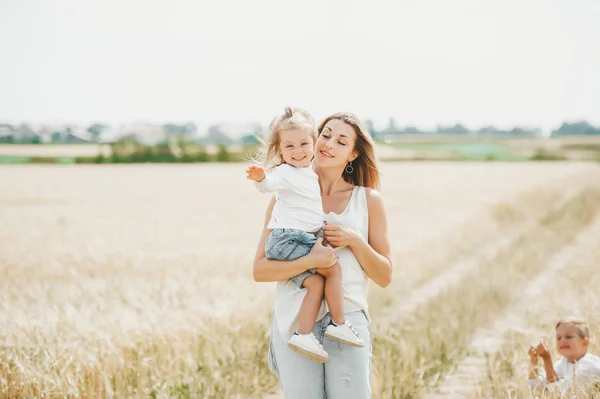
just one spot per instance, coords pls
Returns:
(136, 280)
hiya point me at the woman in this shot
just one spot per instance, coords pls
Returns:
(356, 226)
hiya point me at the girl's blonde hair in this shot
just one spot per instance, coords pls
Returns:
(366, 172)
(293, 118)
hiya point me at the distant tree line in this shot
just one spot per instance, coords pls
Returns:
(128, 150)
(246, 135)
(576, 128)
(457, 129)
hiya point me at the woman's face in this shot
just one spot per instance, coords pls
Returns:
(335, 145)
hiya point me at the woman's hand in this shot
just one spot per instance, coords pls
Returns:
(338, 236)
(322, 256)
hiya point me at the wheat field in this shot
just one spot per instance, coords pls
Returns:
(135, 281)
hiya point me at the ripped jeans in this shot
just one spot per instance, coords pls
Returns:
(345, 375)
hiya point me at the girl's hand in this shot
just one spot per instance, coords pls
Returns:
(532, 352)
(338, 236)
(256, 173)
(322, 256)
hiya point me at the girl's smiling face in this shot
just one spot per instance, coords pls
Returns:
(296, 147)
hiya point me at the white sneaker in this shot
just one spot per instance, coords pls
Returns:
(307, 345)
(344, 333)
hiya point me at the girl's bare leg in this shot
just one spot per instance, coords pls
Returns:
(312, 302)
(334, 294)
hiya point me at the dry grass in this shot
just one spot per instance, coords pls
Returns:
(514, 317)
(452, 316)
(575, 293)
(135, 281)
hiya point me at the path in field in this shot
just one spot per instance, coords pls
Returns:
(454, 273)
(465, 380)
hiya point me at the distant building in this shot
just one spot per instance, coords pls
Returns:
(187, 130)
(145, 133)
(216, 135)
(391, 128)
(25, 134)
(6, 133)
(67, 134)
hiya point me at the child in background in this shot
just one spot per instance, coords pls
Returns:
(576, 369)
(296, 221)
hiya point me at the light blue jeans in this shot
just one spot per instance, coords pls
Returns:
(291, 244)
(344, 376)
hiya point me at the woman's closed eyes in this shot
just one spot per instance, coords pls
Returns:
(327, 137)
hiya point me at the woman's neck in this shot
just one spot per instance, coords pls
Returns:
(330, 180)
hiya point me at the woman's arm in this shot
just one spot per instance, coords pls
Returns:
(266, 270)
(374, 256)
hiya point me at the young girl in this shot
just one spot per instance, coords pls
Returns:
(296, 223)
(575, 369)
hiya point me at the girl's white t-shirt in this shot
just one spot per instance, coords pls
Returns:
(298, 195)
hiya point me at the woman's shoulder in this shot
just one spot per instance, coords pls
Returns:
(373, 196)
(373, 200)
(368, 190)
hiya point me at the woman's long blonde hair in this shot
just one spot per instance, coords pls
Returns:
(293, 118)
(366, 172)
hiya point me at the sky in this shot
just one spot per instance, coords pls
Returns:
(422, 62)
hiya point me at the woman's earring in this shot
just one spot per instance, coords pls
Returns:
(349, 167)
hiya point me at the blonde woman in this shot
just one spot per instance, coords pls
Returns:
(356, 229)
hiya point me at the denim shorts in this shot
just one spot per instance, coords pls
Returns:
(291, 244)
